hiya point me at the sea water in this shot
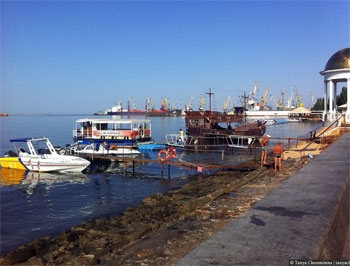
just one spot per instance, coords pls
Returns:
(34, 205)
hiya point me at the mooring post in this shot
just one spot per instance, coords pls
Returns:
(255, 148)
(133, 168)
(162, 171)
(169, 171)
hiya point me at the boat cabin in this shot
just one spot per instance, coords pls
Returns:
(123, 132)
(33, 146)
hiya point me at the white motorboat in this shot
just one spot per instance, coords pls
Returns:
(175, 140)
(103, 149)
(39, 155)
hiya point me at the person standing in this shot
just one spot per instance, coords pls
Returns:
(264, 144)
(181, 135)
(278, 152)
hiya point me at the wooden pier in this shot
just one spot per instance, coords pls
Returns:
(172, 162)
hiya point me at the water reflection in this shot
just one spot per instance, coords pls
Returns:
(10, 177)
(29, 180)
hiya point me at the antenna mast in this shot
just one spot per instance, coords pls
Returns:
(210, 94)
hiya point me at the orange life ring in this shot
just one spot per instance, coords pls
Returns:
(171, 153)
(113, 147)
(160, 156)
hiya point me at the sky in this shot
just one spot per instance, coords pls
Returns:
(78, 57)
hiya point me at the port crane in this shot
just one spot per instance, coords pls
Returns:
(189, 106)
(265, 98)
(202, 103)
(227, 102)
(255, 90)
(313, 100)
(280, 103)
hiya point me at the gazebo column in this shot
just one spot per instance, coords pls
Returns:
(335, 106)
(347, 114)
(331, 101)
(325, 97)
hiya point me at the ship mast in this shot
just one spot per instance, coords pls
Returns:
(210, 94)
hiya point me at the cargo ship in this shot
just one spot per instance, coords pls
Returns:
(149, 110)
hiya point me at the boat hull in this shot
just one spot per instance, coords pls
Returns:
(12, 163)
(136, 113)
(142, 113)
(111, 152)
(119, 142)
(46, 164)
(65, 163)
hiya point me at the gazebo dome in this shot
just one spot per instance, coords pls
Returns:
(339, 60)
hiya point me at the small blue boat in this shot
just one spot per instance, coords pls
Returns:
(152, 146)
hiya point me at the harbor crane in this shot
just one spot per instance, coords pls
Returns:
(274, 101)
(227, 102)
(255, 88)
(280, 103)
(313, 100)
(265, 98)
(189, 106)
(202, 103)
(134, 105)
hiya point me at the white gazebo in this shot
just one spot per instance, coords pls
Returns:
(337, 70)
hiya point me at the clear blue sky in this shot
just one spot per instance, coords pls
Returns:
(83, 56)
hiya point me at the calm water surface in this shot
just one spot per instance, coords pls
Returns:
(39, 204)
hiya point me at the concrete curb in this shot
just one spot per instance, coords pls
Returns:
(307, 217)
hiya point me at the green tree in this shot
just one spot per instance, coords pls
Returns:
(341, 99)
(319, 105)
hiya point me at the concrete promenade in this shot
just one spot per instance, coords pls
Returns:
(306, 218)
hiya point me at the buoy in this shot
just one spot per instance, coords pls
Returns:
(163, 155)
(171, 153)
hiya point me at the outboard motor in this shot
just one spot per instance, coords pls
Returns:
(11, 154)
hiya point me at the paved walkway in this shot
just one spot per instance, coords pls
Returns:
(307, 217)
(346, 250)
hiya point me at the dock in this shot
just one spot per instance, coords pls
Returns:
(175, 163)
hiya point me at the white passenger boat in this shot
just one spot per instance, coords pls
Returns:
(39, 155)
(103, 149)
(119, 132)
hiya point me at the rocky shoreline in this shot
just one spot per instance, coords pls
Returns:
(163, 228)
